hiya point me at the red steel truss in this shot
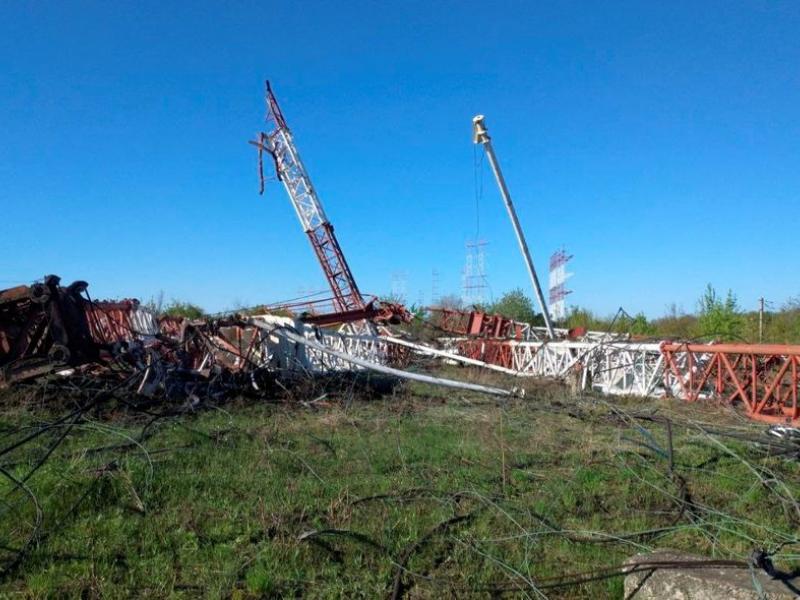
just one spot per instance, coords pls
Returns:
(764, 377)
(495, 352)
(343, 285)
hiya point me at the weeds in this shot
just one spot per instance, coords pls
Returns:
(412, 493)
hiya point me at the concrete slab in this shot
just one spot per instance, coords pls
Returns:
(701, 583)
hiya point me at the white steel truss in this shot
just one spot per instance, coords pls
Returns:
(292, 173)
(608, 366)
(278, 352)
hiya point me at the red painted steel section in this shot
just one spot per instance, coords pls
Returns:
(757, 349)
(372, 311)
(762, 377)
(171, 327)
(495, 352)
(346, 295)
(477, 323)
(110, 321)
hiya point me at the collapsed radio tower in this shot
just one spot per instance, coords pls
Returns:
(348, 303)
(558, 279)
(278, 143)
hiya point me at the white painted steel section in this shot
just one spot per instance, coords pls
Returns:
(349, 358)
(144, 322)
(294, 176)
(611, 367)
(280, 353)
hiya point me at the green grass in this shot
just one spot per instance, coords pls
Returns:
(262, 500)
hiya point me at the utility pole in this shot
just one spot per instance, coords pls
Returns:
(481, 136)
(760, 319)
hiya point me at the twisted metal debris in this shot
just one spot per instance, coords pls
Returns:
(47, 330)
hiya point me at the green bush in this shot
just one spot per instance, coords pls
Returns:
(718, 318)
(177, 308)
(516, 305)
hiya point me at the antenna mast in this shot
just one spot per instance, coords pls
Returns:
(481, 136)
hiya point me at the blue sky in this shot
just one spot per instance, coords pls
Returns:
(659, 142)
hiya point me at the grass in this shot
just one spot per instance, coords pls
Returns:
(420, 493)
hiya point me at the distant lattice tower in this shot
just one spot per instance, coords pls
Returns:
(435, 297)
(400, 285)
(558, 279)
(474, 282)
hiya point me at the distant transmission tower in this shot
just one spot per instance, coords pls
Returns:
(399, 285)
(558, 279)
(435, 297)
(474, 283)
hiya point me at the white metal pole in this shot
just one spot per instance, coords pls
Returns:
(481, 136)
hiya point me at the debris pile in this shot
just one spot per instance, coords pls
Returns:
(52, 332)
(46, 327)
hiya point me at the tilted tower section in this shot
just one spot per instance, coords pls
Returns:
(278, 143)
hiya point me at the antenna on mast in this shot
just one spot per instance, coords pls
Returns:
(480, 135)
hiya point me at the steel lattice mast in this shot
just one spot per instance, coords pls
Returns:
(278, 142)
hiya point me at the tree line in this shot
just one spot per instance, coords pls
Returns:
(717, 317)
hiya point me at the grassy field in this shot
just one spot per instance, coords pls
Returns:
(417, 493)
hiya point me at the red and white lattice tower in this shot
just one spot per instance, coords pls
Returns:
(278, 143)
(558, 279)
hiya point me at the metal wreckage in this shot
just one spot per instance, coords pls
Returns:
(56, 332)
(52, 332)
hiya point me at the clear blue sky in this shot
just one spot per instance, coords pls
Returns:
(657, 141)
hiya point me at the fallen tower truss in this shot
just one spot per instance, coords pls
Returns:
(763, 378)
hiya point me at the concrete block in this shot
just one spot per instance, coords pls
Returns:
(701, 583)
